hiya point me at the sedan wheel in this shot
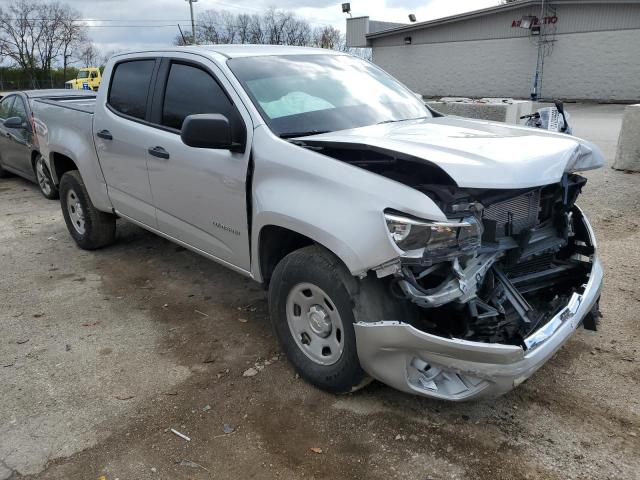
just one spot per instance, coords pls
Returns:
(45, 182)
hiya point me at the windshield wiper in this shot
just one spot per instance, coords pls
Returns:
(302, 134)
(400, 120)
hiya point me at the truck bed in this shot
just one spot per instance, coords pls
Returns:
(82, 103)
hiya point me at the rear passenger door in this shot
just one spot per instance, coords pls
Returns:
(200, 194)
(119, 131)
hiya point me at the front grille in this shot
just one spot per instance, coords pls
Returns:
(536, 264)
(514, 215)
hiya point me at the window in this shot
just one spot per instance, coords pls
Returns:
(5, 107)
(19, 110)
(130, 87)
(300, 94)
(191, 90)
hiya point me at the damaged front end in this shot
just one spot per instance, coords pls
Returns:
(495, 291)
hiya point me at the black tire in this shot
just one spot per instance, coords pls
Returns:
(43, 177)
(317, 266)
(98, 228)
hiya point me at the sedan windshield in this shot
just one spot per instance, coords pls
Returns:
(308, 94)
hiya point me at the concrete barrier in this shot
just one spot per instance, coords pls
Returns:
(628, 152)
(505, 110)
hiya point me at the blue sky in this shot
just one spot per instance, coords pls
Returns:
(159, 17)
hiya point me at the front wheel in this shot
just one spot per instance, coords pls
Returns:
(89, 227)
(45, 182)
(313, 315)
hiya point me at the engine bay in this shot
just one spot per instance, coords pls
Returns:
(533, 254)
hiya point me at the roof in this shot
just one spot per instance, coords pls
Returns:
(51, 92)
(484, 12)
(234, 51)
(58, 92)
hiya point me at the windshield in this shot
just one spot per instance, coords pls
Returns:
(306, 94)
(83, 74)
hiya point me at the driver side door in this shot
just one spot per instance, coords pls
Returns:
(199, 193)
(16, 142)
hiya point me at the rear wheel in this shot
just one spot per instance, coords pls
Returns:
(313, 315)
(89, 227)
(45, 181)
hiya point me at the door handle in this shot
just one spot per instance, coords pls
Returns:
(158, 152)
(106, 134)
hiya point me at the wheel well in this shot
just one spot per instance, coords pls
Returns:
(61, 164)
(275, 244)
(34, 155)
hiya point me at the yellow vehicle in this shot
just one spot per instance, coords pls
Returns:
(88, 79)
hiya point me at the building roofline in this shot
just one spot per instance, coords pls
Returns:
(482, 12)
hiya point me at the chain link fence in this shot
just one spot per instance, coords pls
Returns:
(18, 79)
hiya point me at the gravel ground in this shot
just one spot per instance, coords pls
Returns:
(102, 353)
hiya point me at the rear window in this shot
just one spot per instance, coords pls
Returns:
(130, 87)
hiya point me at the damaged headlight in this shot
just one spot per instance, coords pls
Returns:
(435, 237)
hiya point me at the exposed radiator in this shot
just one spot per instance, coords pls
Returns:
(519, 213)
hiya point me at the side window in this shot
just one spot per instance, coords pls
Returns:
(94, 75)
(5, 107)
(19, 109)
(190, 91)
(130, 87)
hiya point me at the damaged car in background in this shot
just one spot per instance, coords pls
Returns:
(443, 256)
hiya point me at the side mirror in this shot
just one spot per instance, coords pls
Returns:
(209, 130)
(14, 122)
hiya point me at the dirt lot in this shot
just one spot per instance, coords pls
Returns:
(102, 353)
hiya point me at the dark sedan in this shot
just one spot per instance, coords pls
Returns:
(18, 146)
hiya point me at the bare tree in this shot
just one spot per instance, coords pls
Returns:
(88, 55)
(328, 37)
(72, 35)
(274, 26)
(34, 35)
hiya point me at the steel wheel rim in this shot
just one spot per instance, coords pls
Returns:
(43, 178)
(76, 213)
(315, 324)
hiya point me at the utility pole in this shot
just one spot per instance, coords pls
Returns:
(537, 78)
(193, 21)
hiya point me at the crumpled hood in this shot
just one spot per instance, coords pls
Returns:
(476, 153)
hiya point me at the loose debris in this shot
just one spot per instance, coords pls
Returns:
(317, 450)
(125, 397)
(211, 358)
(190, 464)
(206, 408)
(201, 313)
(250, 372)
(259, 366)
(227, 428)
(181, 435)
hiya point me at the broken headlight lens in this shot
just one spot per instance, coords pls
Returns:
(413, 234)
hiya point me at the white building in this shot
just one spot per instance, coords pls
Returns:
(581, 50)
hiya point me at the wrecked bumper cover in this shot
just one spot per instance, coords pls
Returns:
(413, 361)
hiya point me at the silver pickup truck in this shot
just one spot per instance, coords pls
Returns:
(442, 256)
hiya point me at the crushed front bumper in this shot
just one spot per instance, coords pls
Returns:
(413, 361)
